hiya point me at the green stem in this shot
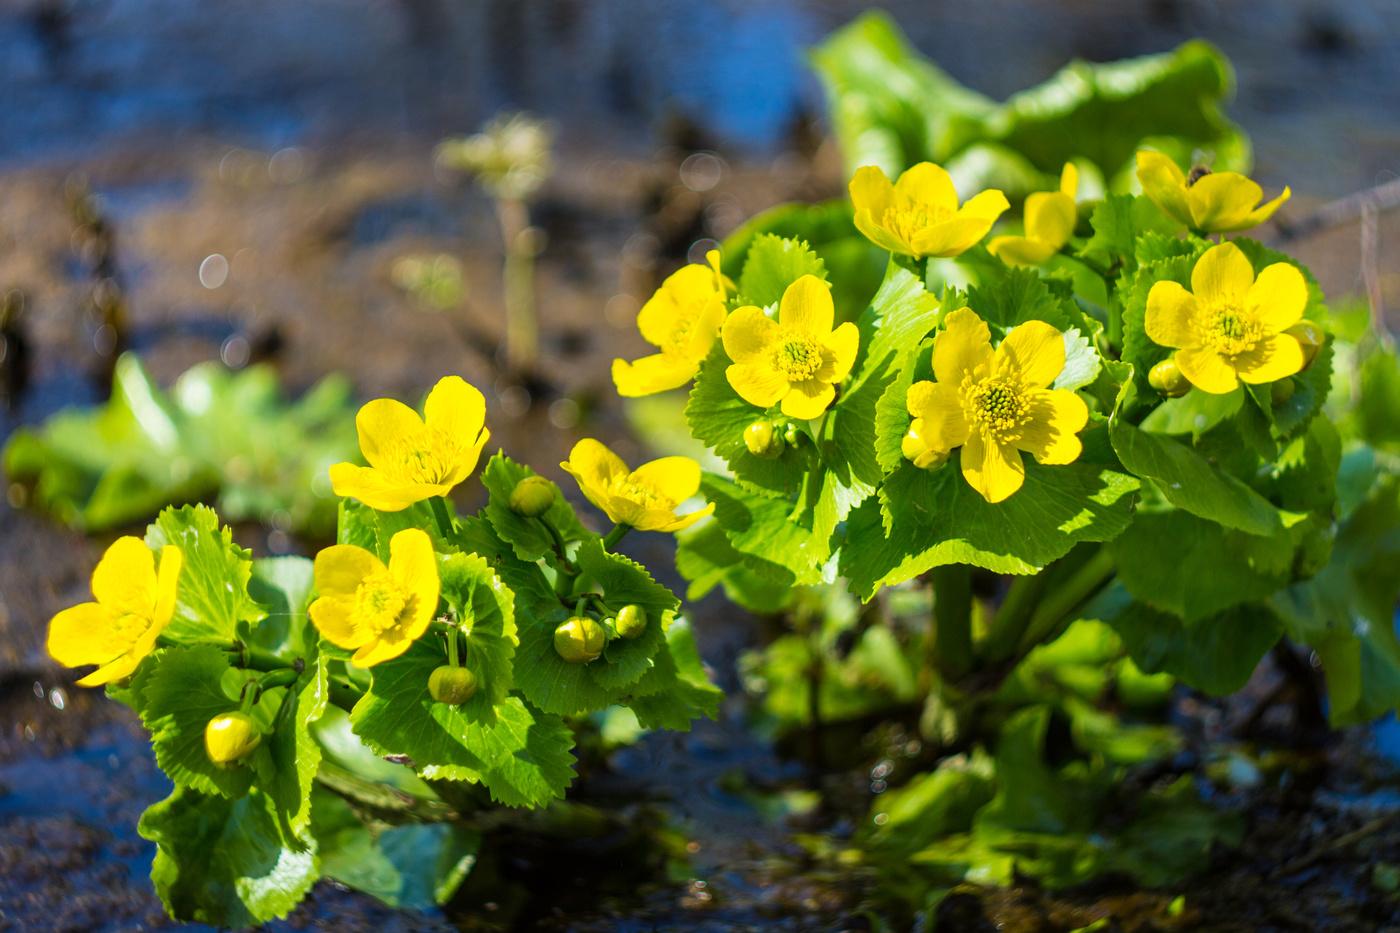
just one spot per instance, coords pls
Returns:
(1013, 616)
(256, 659)
(344, 694)
(444, 520)
(560, 548)
(952, 615)
(452, 656)
(619, 531)
(1056, 607)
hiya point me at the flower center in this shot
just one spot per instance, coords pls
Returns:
(905, 220)
(380, 602)
(1230, 332)
(679, 338)
(798, 357)
(997, 407)
(426, 457)
(624, 487)
(130, 626)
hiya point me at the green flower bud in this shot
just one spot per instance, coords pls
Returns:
(1281, 391)
(1166, 377)
(532, 496)
(579, 640)
(631, 621)
(792, 435)
(231, 737)
(763, 441)
(451, 685)
(1310, 337)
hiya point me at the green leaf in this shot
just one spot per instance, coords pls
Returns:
(416, 867)
(1190, 483)
(706, 559)
(178, 690)
(212, 594)
(927, 518)
(1194, 568)
(522, 756)
(527, 536)
(296, 755)
(766, 530)
(718, 417)
(223, 862)
(1020, 295)
(1194, 413)
(771, 265)
(680, 691)
(485, 608)
(282, 587)
(625, 582)
(372, 530)
(900, 315)
(1216, 654)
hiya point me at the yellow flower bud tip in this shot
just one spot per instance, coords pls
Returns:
(452, 685)
(231, 737)
(763, 441)
(1282, 391)
(1166, 377)
(579, 640)
(532, 496)
(631, 621)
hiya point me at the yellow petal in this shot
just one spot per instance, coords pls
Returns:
(1222, 201)
(465, 461)
(624, 510)
(1277, 356)
(1171, 315)
(681, 522)
(456, 408)
(1222, 276)
(757, 383)
(1051, 218)
(985, 205)
(964, 345)
(658, 316)
(378, 491)
(1263, 212)
(125, 578)
(709, 318)
(748, 333)
(951, 237)
(340, 568)
(1278, 297)
(1164, 182)
(593, 465)
(808, 399)
(84, 634)
(331, 616)
(1020, 250)
(1207, 370)
(383, 425)
(172, 559)
(1057, 417)
(118, 668)
(867, 224)
(414, 565)
(1069, 181)
(928, 185)
(871, 190)
(675, 478)
(1035, 351)
(651, 374)
(843, 343)
(722, 284)
(807, 307)
(939, 411)
(918, 449)
(994, 470)
(380, 650)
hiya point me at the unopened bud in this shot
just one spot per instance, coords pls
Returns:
(579, 640)
(1166, 377)
(631, 621)
(532, 496)
(791, 435)
(451, 685)
(231, 737)
(1310, 337)
(921, 453)
(1281, 391)
(763, 441)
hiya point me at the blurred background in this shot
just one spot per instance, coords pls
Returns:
(245, 181)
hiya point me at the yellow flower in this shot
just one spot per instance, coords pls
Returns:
(1216, 202)
(919, 214)
(1230, 326)
(1050, 218)
(135, 603)
(376, 610)
(995, 404)
(682, 319)
(645, 498)
(412, 458)
(797, 359)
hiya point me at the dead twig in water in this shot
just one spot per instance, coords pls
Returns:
(1381, 198)
(1344, 841)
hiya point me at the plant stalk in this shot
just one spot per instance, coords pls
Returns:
(444, 520)
(952, 617)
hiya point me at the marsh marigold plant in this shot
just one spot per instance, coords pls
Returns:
(682, 320)
(646, 498)
(1204, 201)
(919, 215)
(1050, 217)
